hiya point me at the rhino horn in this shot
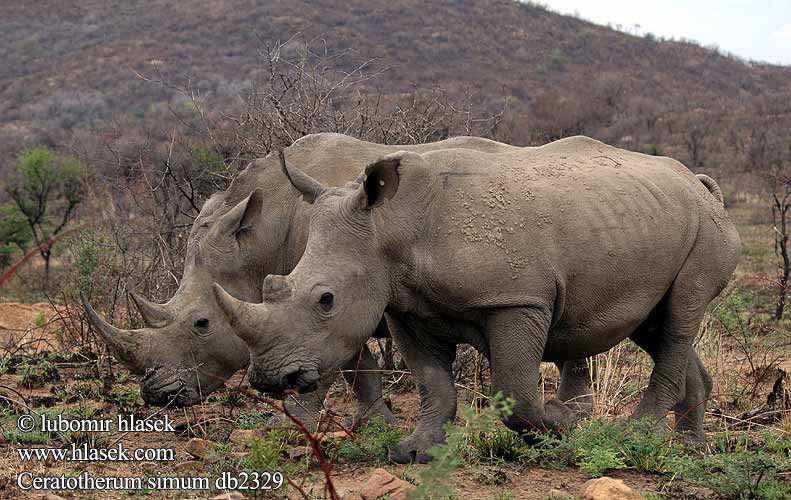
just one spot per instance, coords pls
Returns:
(154, 315)
(121, 342)
(310, 188)
(275, 285)
(240, 313)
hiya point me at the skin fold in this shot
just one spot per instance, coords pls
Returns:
(553, 253)
(257, 227)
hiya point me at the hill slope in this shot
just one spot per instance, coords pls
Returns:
(68, 62)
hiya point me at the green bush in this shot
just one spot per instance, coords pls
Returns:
(738, 475)
(268, 453)
(434, 479)
(370, 442)
(501, 445)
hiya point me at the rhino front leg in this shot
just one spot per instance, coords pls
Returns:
(305, 407)
(430, 357)
(362, 374)
(517, 337)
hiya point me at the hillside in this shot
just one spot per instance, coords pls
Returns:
(66, 64)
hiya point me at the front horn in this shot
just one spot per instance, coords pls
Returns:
(243, 316)
(121, 342)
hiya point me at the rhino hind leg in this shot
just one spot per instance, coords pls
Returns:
(575, 386)
(362, 375)
(429, 353)
(690, 410)
(516, 341)
(678, 380)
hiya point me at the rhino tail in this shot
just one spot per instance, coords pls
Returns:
(711, 185)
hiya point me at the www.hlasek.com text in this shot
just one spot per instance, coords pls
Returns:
(85, 453)
(27, 481)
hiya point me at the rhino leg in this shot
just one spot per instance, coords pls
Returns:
(675, 362)
(575, 386)
(429, 353)
(362, 374)
(305, 407)
(689, 412)
(517, 337)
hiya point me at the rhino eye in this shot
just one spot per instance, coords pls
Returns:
(202, 323)
(326, 301)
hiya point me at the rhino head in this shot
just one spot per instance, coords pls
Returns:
(317, 317)
(187, 348)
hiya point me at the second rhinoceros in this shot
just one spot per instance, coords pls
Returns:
(256, 227)
(553, 253)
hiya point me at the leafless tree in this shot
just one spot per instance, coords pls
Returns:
(781, 204)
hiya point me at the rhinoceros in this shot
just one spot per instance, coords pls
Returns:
(552, 253)
(256, 227)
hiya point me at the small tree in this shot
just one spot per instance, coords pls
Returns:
(14, 234)
(45, 192)
(781, 204)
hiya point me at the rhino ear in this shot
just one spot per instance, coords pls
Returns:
(238, 220)
(381, 180)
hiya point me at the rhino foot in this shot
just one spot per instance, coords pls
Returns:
(380, 409)
(561, 416)
(415, 447)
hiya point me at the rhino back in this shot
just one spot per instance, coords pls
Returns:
(604, 231)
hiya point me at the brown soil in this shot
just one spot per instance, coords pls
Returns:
(29, 325)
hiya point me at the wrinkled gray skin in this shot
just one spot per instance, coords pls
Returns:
(255, 228)
(553, 253)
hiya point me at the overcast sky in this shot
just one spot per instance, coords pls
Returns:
(757, 29)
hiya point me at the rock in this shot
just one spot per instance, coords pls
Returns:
(231, 495)
(382, 483)
(558, 493)
(199, 448)
(334, 435)
(297, 452)
(245, 436)
(149, 467)
(189, 466)
(353, 495)
(607, 488)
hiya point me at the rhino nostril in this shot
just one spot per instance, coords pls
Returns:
(292, 379)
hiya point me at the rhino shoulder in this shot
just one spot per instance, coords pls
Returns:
(470, 142)
(322, 140)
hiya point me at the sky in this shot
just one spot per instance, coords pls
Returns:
(756, 30)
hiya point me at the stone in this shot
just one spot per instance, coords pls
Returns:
(382, 483)
(245, 436)
(189, 466)
(199, 448)
(559, 493)
(297, 452)
(607, 488)
(333, 435)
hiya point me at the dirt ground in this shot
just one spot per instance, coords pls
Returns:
(215, 421)
(19, 322)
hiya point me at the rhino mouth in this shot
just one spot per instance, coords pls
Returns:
(299, 379)
(158, 389)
